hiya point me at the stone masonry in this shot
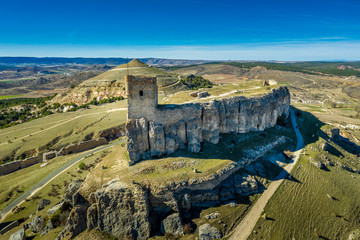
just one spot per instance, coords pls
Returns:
(156, 130)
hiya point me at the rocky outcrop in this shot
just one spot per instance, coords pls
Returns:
(19, 235)
(43, 203)
(172, 224)
(123, 211)
(207, 232)
(167, 128)
(37, 224)
(82, 146)
(70, 191)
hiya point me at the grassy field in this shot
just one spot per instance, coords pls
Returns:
(59, 129)
(10, 96)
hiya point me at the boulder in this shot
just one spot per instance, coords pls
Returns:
(207, 232)
(19, 235)
(49, 226)
(37, 224)
(43, 203)
(73, 187)
(123, 211)
(172, 224)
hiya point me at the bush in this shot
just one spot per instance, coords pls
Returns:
(82, 166)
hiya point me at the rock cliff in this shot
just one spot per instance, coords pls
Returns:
(165, 129)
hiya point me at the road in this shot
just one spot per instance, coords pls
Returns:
(49, 178)
(246, 226)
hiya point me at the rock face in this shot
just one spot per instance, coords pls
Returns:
(172, 224)
(207, 232)
(37, 224)
(159, 130)
(71, 190)
(19, 235)
(123, 211)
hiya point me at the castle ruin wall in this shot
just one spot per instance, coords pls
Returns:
(163, 129)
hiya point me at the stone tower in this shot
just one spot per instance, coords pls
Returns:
(142, 95)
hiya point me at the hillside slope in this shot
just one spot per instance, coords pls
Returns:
(111, 83)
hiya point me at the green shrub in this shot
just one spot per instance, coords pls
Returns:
(82, 165)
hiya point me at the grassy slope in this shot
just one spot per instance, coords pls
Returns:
(70, 127)
(302, 210)
(59, 184)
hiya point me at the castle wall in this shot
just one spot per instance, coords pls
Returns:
(165, 129)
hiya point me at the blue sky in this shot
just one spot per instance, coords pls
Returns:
(190, 29)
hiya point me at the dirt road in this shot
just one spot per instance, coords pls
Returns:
(244, 229)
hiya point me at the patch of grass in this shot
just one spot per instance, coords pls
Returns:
(10, 96)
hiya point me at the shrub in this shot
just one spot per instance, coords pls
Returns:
(82, 166)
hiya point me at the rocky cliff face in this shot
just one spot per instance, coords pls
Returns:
(91, 89)
(165, 129)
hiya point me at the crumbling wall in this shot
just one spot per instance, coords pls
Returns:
(18, 164)
(170, 127)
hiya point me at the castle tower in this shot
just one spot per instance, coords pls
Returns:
(142, 95)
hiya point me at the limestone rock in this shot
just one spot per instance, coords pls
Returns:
(172, 224)
(73, 187)
(211, 121)
(213, 215)
(172, 140)
(157, 139)
(207, 232)
(19, 235)
(75, 224)
(186, 201)
(137, 139)
(194, 135)
(62, 205)
(245, 184)
(49, 226)
(92, 216)
(43, 203)
(37, 224)
(123, 211)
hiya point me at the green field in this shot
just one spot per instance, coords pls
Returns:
(10, 96)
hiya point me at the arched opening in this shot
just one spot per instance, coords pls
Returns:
(141, 93)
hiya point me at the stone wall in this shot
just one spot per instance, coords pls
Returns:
(164, 129)
(16, 165)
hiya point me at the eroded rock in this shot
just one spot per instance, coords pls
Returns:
(172, 224)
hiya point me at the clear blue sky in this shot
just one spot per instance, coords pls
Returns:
(191, 29)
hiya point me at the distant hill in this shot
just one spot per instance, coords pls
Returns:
(111, 83)
(30, 61)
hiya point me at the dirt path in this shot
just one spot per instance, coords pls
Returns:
(61, 123)
(245, 227)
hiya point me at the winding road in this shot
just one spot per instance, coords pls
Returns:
(245, 227)
(38, 186)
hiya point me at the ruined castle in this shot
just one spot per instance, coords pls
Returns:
(156, 130)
